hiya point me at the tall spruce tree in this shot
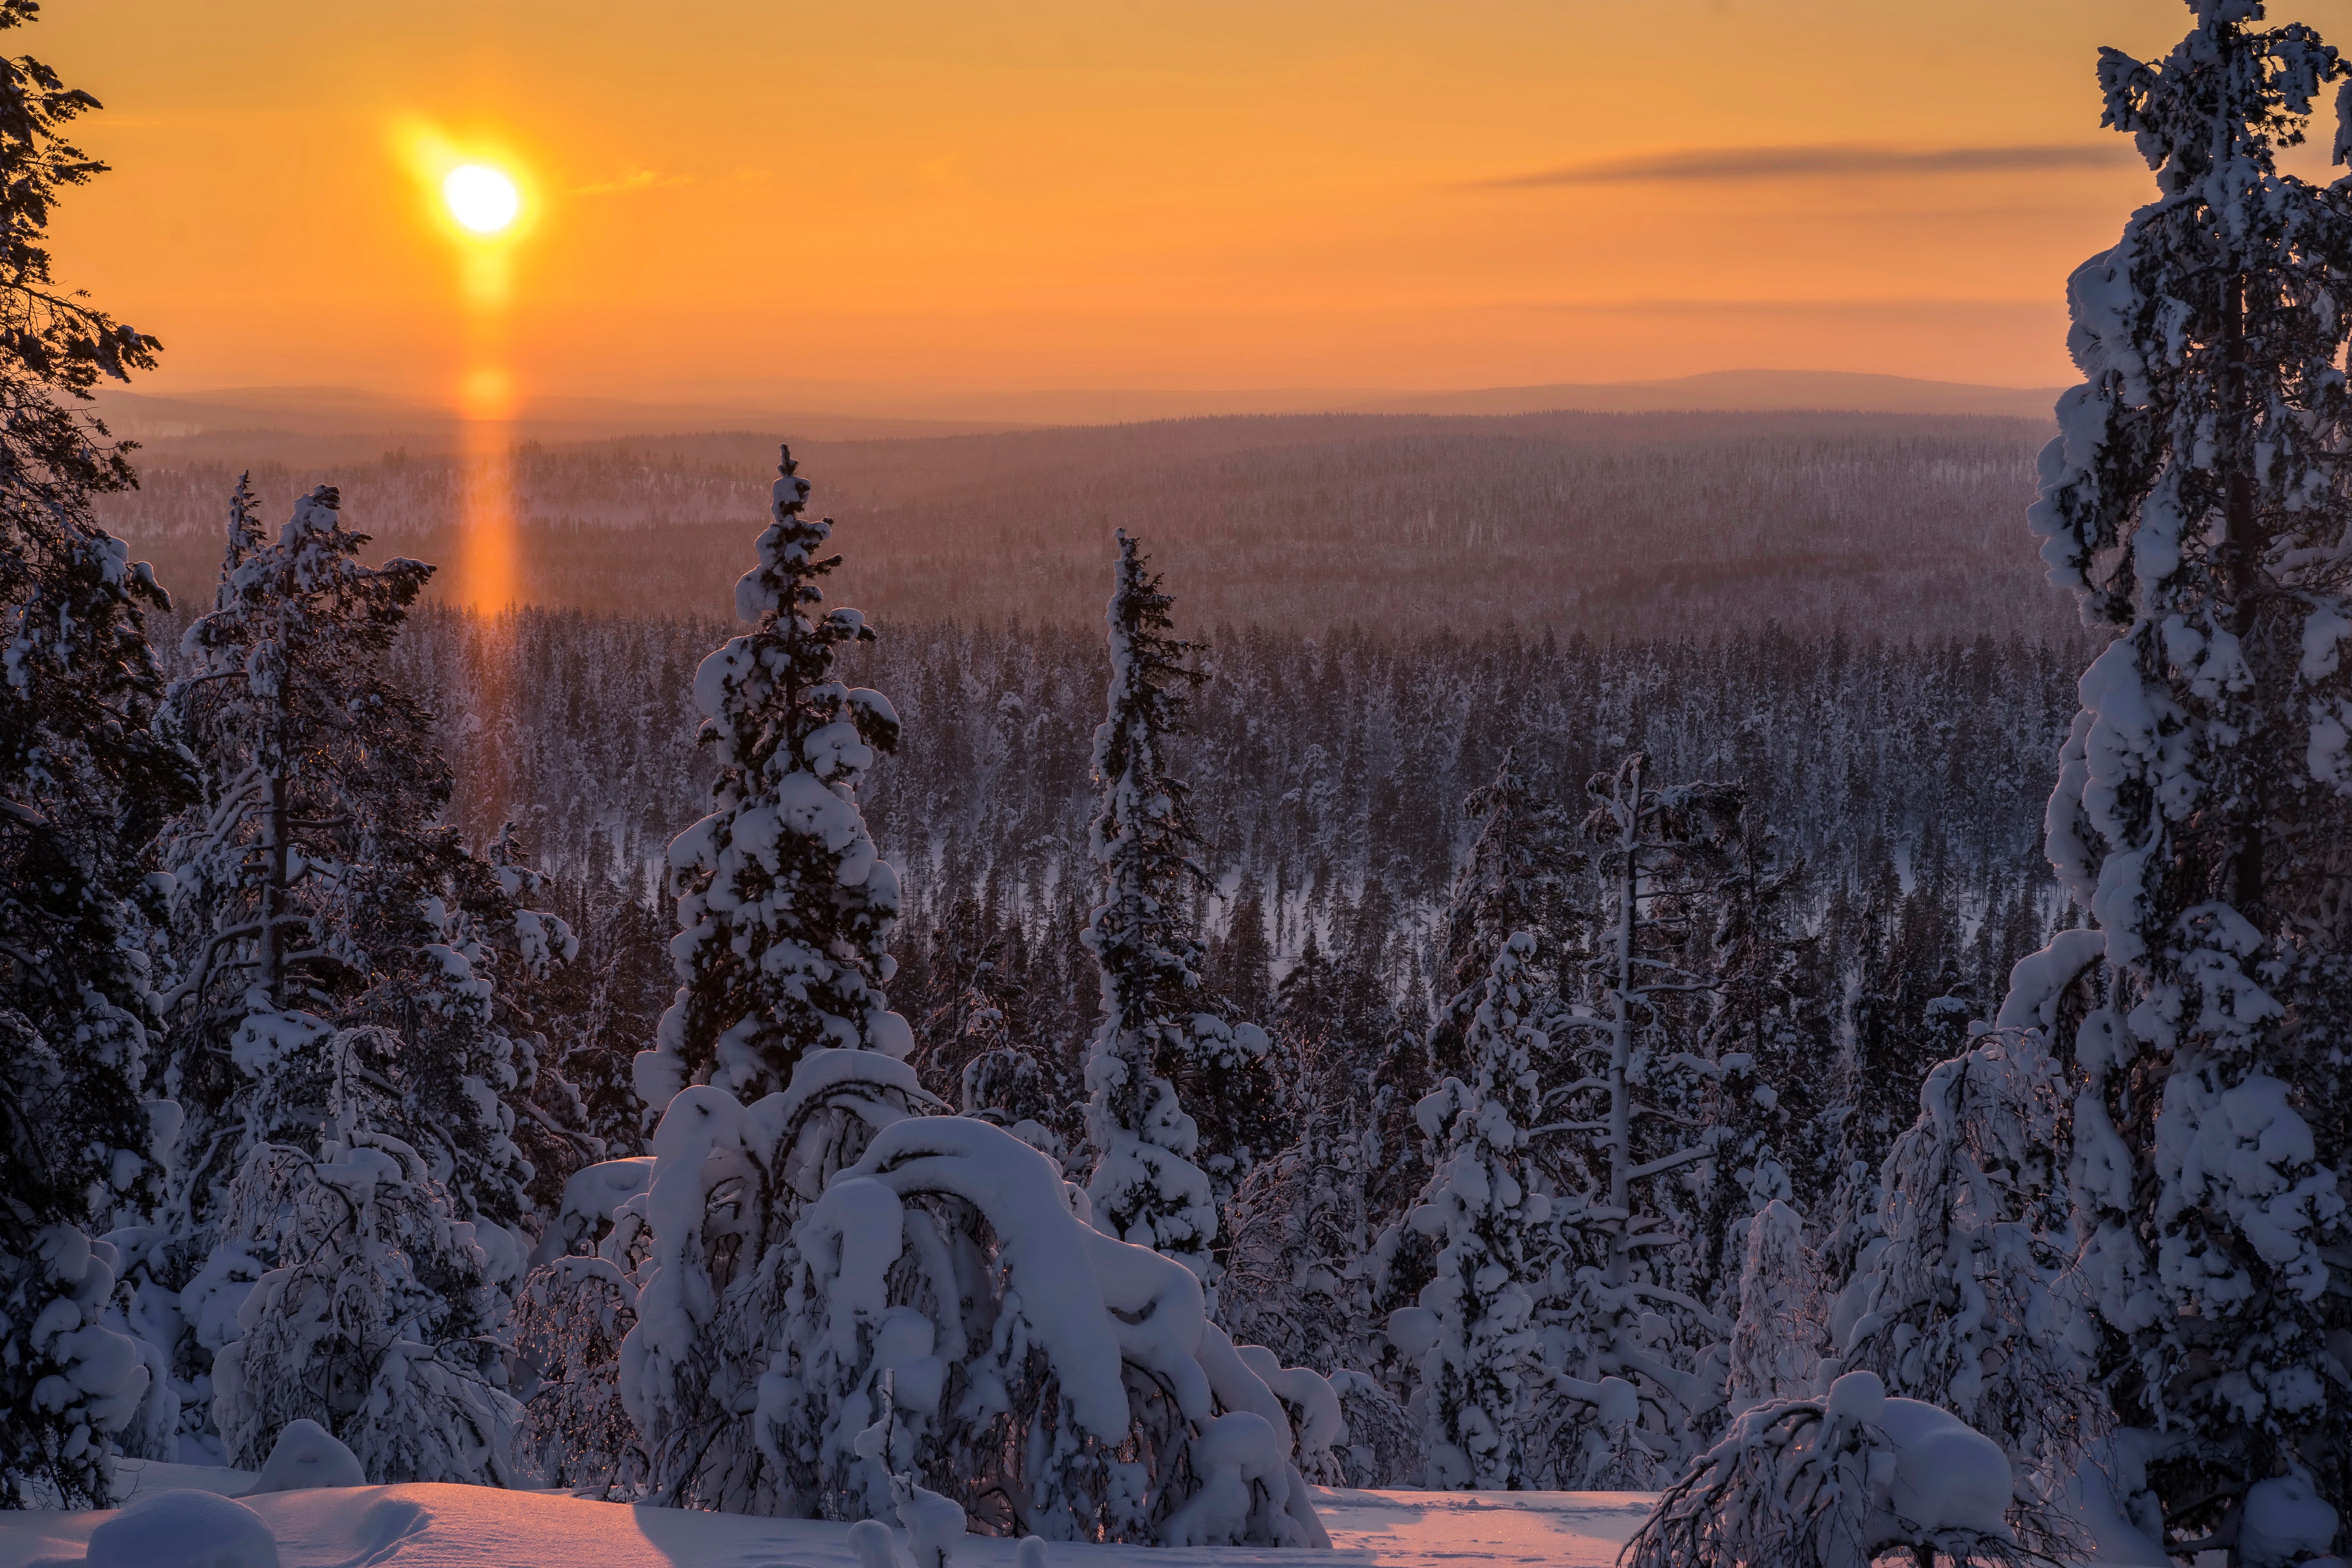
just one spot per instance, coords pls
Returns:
(1145, 1187)
(83, 785)
(784, 906)
(2196, 502)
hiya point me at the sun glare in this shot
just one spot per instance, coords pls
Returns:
(480, 198)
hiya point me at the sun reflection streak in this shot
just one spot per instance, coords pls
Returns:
(489, 571)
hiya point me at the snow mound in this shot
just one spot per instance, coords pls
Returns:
(1948, 1475)
(307, 1455)
(184, 1530)
(1857, 1396)
(2285, 1519)
(870, 1539)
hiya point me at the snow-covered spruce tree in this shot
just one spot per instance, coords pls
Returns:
(2195, 503)
(553, 1128)
(83, 784)
(1488, 1207)
(1145, 1186)
(1781, 1332)
(1770, 1033)
(1521, 876)
(785, 913)
(1963, 1308)
(977, 1041)
(784, 906)
(1299, 1222)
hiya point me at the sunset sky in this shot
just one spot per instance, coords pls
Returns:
(771, 199)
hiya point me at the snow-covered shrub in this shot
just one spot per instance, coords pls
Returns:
(731, 1182)
(1778, 1341)
(306, 1457)
(70, 1383)
(376, 1322)
(1383, 1443)
(1049, 1378)
(1317, 1423)
(1832, 1482)
(569, 1318)
(569, 1321)
(1964, 1308)
(1009, 1087)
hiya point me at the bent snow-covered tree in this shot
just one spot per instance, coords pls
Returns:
(1963, 1308)
(784, 906)
(949, 1318)
(728, 1186)
(1146, 1187)
(2196, 503)
(1838, 1482)
(378, 1322)
(82, 784)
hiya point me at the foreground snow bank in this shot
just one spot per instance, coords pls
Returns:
(431, 1526)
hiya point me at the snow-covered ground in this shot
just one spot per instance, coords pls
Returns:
(477, 1526)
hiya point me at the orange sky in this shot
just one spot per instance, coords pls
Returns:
(780, 199)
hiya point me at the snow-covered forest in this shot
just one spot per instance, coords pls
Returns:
(1108, 1085)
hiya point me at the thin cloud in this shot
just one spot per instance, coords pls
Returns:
(633, 181)
(1832, 161)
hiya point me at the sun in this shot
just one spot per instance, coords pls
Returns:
(480, 198)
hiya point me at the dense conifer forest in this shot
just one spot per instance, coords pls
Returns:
(1648, 525)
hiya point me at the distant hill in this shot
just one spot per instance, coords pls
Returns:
(1740, 390)
(347, 421)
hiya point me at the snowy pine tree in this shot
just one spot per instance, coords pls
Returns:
(784, 906)
(1781, 1332)
(297, 732)
(1627, 1103)
(82, 786)
(2195, 504)
(1145, 1187)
